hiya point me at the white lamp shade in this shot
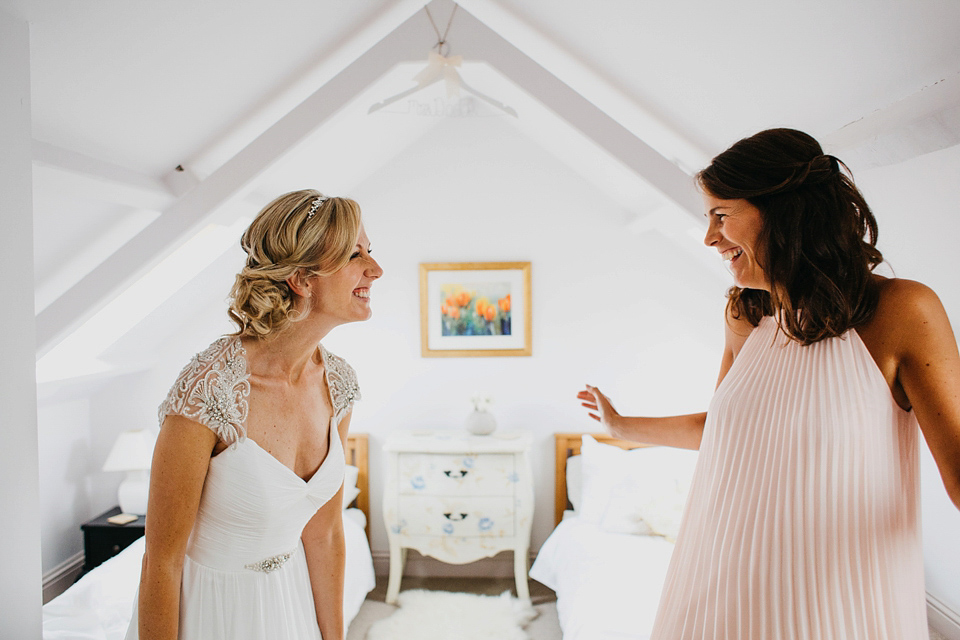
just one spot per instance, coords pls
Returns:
(133, 451)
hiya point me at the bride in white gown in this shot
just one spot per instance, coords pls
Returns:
(244, 537)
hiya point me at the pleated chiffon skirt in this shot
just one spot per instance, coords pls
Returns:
(803, 516)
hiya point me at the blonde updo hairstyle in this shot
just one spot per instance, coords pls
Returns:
(283, 239)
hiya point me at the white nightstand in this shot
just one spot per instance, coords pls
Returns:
(458, 498)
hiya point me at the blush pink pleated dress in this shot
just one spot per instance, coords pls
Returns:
(803, 517)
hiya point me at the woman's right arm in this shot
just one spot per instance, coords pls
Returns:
(683, 432)
(180, 462)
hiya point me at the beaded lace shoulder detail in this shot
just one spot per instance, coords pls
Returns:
(342, 380)
(213, 389)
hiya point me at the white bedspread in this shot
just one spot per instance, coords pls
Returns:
(608, 585)
(99, 605)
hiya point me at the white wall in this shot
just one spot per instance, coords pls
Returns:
(916, 207)
(65, 466)
(20, 552)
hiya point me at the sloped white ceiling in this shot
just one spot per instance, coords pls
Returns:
(124, 91)
(717, 71)
(149, 85)
(152, 85)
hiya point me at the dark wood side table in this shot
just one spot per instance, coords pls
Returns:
(103, 540)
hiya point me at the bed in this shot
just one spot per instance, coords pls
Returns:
(617, 510)
(100, 604)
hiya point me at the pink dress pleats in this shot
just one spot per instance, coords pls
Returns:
(803, 517)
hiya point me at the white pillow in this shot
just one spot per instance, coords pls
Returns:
(359, 517)
(640, 492)
(350, 490)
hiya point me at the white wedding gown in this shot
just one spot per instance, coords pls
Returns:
(245, 574)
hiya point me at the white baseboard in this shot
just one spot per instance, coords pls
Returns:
(61, 576)
(499, 566)
(942, 618)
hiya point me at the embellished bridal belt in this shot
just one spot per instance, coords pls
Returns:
(270, 564)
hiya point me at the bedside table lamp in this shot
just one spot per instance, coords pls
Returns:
(132, 452)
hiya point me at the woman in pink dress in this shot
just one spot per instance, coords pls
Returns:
(803, 516)
(244, 537)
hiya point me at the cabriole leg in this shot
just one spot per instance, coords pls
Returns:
(398, 558)
(520, 572)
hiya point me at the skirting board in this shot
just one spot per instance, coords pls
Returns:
(943, 619)
(61, 576)
(499, 566)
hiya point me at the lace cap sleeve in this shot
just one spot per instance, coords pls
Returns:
(342, 380)
(213, 389)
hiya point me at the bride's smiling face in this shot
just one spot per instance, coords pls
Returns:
(734, 228)
(344, 296)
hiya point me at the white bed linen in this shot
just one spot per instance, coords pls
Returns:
(607, 584)
(99, 606)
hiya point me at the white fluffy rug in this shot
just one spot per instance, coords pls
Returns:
(441, 615)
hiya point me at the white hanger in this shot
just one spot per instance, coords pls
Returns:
(442, 68)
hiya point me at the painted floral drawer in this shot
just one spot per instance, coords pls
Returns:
(440, 516)
(458, 497)
(435, 474)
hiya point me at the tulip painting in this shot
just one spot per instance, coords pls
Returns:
(475, 309)
(468, 309)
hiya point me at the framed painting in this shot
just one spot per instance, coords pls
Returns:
(475, 309)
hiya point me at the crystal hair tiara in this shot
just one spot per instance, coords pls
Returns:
(316, 205)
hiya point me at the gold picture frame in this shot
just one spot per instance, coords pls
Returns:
(475, 309)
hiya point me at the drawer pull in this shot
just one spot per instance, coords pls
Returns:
(453, 516)
(456, 474)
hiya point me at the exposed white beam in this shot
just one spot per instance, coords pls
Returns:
(928, 120)
(590, 83)
(476, 40)
(182, 219)
(92, 179)
(285, 98)
(79, 354)
(181, 179)
(87, 256)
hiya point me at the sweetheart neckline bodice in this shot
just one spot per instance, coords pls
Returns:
(291, 472)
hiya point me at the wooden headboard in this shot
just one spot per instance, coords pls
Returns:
(356, 454)
(568, 444)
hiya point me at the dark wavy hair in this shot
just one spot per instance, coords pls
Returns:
(818, 237)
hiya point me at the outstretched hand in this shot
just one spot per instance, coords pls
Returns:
(599, 407)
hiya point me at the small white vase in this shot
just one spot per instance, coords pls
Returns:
(481, 422)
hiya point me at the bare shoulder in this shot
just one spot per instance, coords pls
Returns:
(906, 306)
(900, 291)
(910, 325)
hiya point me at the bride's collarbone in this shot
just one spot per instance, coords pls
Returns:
(304, 405)
(296, 427)
(293, 428)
